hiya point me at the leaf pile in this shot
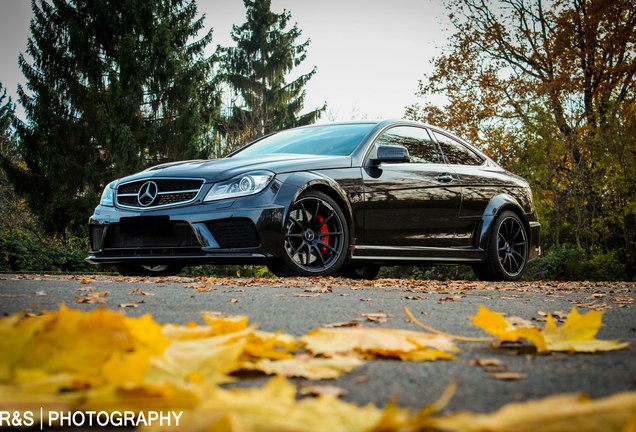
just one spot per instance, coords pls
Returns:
(103, 360)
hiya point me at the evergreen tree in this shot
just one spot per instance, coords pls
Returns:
(257, 69)
(6, 117)
(114, 86)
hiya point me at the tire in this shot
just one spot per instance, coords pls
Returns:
(360, 271)
(278, 269)
(316, 237)
(507, 250)
(148, 270)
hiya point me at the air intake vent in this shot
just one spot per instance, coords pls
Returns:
(234, 233)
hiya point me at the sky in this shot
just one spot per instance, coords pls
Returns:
(369, 54)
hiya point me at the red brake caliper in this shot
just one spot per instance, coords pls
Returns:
(323, 229)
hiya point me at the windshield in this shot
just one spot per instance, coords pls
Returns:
(328, 140)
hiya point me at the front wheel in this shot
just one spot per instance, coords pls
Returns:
(507, 250)
(316, 236)
(148, 270)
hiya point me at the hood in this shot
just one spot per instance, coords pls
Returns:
(223, 169)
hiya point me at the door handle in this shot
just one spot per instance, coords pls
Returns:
(444, 178)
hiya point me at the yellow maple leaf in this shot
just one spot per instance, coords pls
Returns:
(496, 324)
(307, 366)
(371, 342)
(207, 360)
(560, 413)
(275, 408)
(577, 334)
(75, 346)
(269, 345)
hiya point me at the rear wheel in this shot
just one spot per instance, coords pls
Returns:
(316, 237)
(148, 270)
(507, 250)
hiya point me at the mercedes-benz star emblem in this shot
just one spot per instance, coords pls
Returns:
(147, 193)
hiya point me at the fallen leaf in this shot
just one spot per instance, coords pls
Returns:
(275, 407)
(128, 305)
(319, 289)
(92, 297)
(307, 366)
(489, 365)
(352, 323)
(450, 299)
(234, 300)
(322, 390)
(139, 291)
(577, 334)
(562, 413)
(373, 342)
(375, 317)
(507, 376)
(306, 295)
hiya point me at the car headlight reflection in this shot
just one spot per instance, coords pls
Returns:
(242, 185)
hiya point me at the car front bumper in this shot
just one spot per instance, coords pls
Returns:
(230, 231)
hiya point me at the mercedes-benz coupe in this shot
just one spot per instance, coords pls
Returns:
(332, 199)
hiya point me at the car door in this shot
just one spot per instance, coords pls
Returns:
(414, 204)
(478, 184)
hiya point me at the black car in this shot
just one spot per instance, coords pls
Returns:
(335, 199)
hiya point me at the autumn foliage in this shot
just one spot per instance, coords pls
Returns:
(103, 360)
(548, 89)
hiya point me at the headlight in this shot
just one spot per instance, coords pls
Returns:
(243, 185)
(108, 195)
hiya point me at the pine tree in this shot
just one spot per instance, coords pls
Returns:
(257, 69)
(6, 117)
(114, 86)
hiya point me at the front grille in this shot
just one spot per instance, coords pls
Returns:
(168, 235)
(234, 233)
(162, 192)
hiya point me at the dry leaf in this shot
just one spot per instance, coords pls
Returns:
(577, 334)
(507, 376)
(92, 297)
(306, 295)
(319, 289)
(234, 300)
(375, 317)
(274, 408)
(561, 413)
(352, 323)
(322, 390)
(307, 366)
(372, 342)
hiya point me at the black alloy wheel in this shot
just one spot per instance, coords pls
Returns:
(316, 236)
(148, 270)
(507, 250)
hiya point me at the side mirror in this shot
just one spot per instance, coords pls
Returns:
(392, 154)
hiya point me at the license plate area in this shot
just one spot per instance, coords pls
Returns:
(141, 225)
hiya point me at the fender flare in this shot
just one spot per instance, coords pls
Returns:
(496, 205)
(299, 182)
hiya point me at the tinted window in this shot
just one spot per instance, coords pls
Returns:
(421, 147)
(328, 140)
(456, 153)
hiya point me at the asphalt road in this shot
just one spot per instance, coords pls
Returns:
(292, 305)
